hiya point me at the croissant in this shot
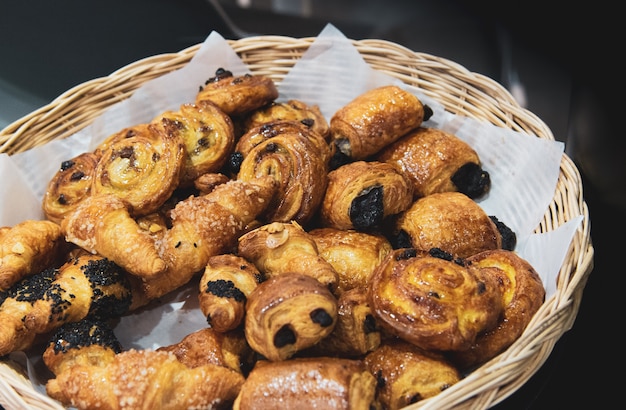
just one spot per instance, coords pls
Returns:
(29, 247)
(362, 195)
(279, 248)
(372, 121)
(225, 285)
(86, 285)
(523, 294)
(311, 383)
(407, 374)
(287, 314)
(238, 95)
(437, 161)
(433, 302)
(69, 185)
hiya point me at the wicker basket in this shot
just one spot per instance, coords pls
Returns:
(459, 91)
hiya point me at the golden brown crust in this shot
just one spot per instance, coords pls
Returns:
(292, 110)
(287, 314)
(450, 221)
(320, 383)
(362, 194)
(205, 183)
(432, 302)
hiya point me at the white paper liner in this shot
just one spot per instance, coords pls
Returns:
(524, 169)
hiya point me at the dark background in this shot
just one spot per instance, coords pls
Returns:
(563, 64)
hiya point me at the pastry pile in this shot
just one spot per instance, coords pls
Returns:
(341, 264)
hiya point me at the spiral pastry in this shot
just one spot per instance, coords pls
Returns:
(432, 302)
(143, 168)
(437, 161)
(69, 186)
(361, 195)
(208, 135)
(288, 313)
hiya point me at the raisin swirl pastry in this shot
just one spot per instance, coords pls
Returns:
(361, 195)
(407, 374)
(69, 186)
(433, 302)
(437, 161)
(287, 314)
(312, 383)
(372, 121)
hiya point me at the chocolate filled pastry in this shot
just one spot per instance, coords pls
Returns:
(86, 285)
(287, 314)
(437, 161)
(208, 134)
(69, 186)
(523, 294)
(434, 302)
(308, 383)
(352, 254)
(225, 285)
(238, 95)
(296, 157)
(91, 372)
(361, 195)
(142, 166)
(450, 221)
(407, 374)
(372, 121)
(28, 248)
(279, 248)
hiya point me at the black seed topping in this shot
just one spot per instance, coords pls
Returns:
(367, 209)
(83, 333)
(321, 317)
(33, 287)
(472, 180)
(226, 289)
(103, 273)
(285, 336)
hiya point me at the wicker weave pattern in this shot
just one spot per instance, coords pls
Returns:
(458, 90)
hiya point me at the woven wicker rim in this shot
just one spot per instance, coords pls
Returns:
(460, 91)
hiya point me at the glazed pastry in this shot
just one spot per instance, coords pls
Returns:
(293, 155)
(450, 221)
(372, 121)
(86, 285)
(28, 248)
(352, 254)
(142, 166)
(208, 134)
(437, 161)
(102, 224)
(238, 95)
(523, 294)
(308, 383)
(279, 248)
(361, 195)
(432, 302)
(225, 285)
(69, 186)
(407, 374)
(287, 314)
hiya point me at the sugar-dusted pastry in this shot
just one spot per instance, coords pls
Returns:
(523, 294)
(308, 383)
(208, 134)
(237, 95)
(69, 185)
(142, 166)
(102, 224)
(372, 121)
(28, 248)
(450, 221)
(352, 254)
(361, 195)
(86, 285)
(287, 314)
(407, 374)
(225, 285)
(293, 155)
(281, 247)
(437, 161)
(433, 302)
